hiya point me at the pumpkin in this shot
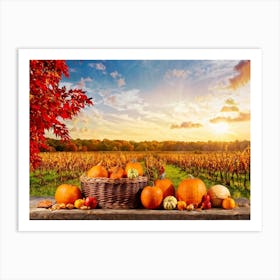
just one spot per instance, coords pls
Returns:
(181, 205)
(132, 173)
(135, 165)
(217, 194)
(191, 190)
(169, 202)
(117, 172)
(166, 186)
(67, 194)
(151, 197)
(228, 203)
(97, 171)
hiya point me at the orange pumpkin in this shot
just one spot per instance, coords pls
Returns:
(228, 203)
(151, 197)
(67, 194)
(97, 171)
(191, 191)
(181, 205)
(135, 165)
(166, 186)
(117, 173)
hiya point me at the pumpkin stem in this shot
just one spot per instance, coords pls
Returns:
(190, 176)
(99, 163)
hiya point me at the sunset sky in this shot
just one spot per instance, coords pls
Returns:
(184, 100)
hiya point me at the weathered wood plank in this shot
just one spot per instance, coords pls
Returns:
(240, 213)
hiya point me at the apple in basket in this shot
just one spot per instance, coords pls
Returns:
(91, 202)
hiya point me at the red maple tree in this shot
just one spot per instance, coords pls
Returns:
(50, 104)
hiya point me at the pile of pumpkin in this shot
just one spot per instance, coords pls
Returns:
(191, 194)
(131, 170)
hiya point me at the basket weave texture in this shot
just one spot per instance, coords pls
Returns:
(121, 193)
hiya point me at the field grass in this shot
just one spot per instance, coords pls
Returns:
(175, 174)
(44, 183)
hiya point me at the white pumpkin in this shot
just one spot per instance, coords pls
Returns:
(217, 194)
(170, 202)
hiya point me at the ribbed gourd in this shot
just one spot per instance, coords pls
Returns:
(169, 202)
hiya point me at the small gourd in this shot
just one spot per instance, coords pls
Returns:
(190, 207)
(181, 205)
(132, 173)
(136, 165)
(170, 202)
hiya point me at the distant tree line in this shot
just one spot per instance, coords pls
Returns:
(123, 145)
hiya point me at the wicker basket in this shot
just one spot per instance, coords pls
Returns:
(121, 193)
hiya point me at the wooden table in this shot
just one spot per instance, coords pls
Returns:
(242, 212)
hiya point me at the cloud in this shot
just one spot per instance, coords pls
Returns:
(230, 101)
(88, 79)
(72, 70)
(79, 130)
(243, 76)
(121, 82)
(125, 100)
(98, 66)
(186, 125)
(115, 74)
(119, 78)
(83, 81)
(242, 117)
(230, 109)
(177, 73)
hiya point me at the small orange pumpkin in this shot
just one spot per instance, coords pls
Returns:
(166, 186)
(151, 197)
(228, 203)
(67, 194)
(191, 190)
(181, 205)
(97, 171)
(117, 172)
(135, 165)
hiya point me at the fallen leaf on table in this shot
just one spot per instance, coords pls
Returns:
(44, 204)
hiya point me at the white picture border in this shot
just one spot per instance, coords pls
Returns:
(255, 222)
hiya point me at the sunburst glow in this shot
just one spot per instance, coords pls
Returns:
(221, 128)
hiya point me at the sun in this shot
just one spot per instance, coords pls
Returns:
(220, 128)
